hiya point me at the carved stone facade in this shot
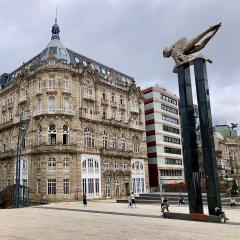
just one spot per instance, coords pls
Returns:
(86, 130)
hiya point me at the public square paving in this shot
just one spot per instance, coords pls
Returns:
(103, 220)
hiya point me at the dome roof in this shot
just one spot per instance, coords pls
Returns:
(55, 47)
(218, 136)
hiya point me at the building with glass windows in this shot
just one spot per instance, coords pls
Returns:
(86, 131)
(163, 137)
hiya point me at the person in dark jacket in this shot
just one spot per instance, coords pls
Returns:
(84, 199)
(220, 213)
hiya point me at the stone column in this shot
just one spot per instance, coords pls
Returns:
(190, 156)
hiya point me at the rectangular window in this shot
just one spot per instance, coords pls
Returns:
(170, 129)
(171, 140)
(66, 186)
(51, 104)
(173, 161)
(172, 150)
(169, 109)
(38, 186)
(51, 83)
(171, 173)
(84, 183)
(168, 99)
(51, 186)
(169, 119)
(25, 182)
(66, 105)
(66, 85)
(97, 186)
(91, 186)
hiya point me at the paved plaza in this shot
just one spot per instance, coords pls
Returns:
(104, 220)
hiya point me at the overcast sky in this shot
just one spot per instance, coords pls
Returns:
(129, 35)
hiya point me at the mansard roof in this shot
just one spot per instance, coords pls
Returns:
(56, 48)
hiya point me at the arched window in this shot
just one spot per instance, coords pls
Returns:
(66, 164)
(52, 134)
(104, 113)
(138, 177)
(52, 164)
(116, 165)
(121, 100)
(105, 140)
(114, 141)
(91, 177)
(66, 134)
(136, 144)
(88, 137)
(122, 142)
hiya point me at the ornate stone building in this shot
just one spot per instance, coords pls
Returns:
(86, 130)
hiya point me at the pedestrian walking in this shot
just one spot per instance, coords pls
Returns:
(133, 200)
(180, 200)
(165, 205)
(232, 202)
(129, 201)
(84, 199)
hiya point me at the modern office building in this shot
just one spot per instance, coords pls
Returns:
(163, 137)
(86, 130)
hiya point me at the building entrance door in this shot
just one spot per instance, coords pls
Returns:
(127, 189)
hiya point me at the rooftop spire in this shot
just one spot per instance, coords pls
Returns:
(55, 29)
(56, 16)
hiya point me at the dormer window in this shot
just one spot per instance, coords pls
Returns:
(52, 62)
(84, 63)
(62, 51)
(64, 61)
(52, 50)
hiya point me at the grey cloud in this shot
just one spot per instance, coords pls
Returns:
(129, 36)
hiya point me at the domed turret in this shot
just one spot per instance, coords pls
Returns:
(55, 47)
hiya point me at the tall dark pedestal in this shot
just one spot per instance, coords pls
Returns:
(190, 155)
(209, 157)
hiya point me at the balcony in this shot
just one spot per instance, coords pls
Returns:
(89, 97)
(43, 148)
(38, 92)
(66, 91)
(138, 127)
(6, 125)
(51, 90)
(116, 153)
(7, 154)
(113, 104)
(23, 99)
(104, 102)
(134, 109)
(39, 113)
